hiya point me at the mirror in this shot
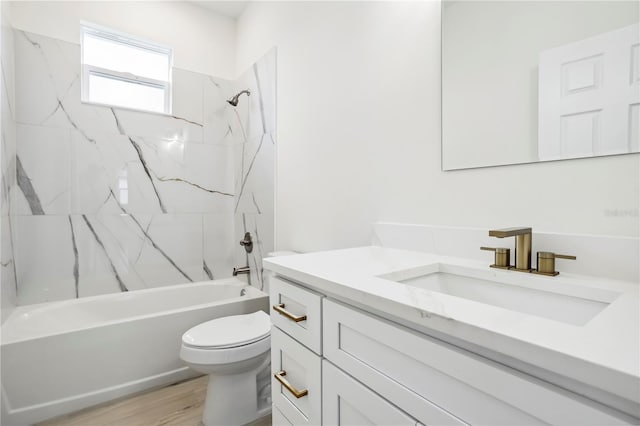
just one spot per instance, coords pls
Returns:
(529, 81)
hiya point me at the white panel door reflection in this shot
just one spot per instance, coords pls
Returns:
(589, 96)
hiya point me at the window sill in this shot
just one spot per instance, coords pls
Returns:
(117, 107)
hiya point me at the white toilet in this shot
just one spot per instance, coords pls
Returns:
(234, 352)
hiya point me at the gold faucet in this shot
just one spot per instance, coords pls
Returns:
(523, 245)
(546, 260)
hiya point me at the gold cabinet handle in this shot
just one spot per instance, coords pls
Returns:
(284, 382)
(282, 311)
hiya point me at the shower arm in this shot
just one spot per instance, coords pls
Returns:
(234, 100)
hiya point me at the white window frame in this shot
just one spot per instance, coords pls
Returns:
(130, 41)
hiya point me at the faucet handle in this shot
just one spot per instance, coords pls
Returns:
(247, 242)
(562, 256)
(547, 262)
(502, 257)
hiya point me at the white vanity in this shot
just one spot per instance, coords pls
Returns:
(383, 336)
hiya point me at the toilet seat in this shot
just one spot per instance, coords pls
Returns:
(226, 340)
(228, 332)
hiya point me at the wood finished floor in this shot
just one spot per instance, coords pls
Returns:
(176, 405)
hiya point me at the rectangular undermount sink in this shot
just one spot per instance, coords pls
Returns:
(524, 293)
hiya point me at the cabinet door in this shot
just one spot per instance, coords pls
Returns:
(348, 402)
(299, 368)
(434, 381)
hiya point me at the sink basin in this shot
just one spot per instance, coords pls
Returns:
(533, 295)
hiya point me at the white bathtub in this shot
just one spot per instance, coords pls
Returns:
(60, 357)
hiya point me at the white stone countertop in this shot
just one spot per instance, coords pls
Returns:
(603, 353)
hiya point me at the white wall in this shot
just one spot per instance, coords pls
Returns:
(203, 41)
(359, 135)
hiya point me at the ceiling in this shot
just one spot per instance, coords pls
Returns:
(232, 9)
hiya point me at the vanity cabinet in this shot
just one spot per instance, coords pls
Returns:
(359, 368)
(440, 384)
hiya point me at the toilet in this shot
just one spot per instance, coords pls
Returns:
(235, 352)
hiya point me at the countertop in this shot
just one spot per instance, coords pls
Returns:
(603, 353)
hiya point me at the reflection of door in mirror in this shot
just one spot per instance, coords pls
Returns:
(589, 96)
(491, 80)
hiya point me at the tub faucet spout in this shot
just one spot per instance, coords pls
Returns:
(241, 270)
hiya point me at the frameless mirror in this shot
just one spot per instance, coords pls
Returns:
(528, 81)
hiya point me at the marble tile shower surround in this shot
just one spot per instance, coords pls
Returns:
(114, 200)
(255, 165)
(7, 167)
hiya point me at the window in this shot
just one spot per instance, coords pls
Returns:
(124, 71)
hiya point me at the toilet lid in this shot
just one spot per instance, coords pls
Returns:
(229, 332)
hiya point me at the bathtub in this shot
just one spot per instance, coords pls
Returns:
(60, 357)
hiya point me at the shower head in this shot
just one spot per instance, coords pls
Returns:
(234, 101)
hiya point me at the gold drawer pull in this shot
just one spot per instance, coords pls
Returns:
(280, 309)
(280, 377)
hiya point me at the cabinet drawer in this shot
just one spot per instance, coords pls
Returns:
(347, 402)
(297, 311)
(300, 368)
(427, 378)
(278, 419)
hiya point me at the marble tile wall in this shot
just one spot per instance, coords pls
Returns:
(255, 164)
(8, 285)
(115, 200)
